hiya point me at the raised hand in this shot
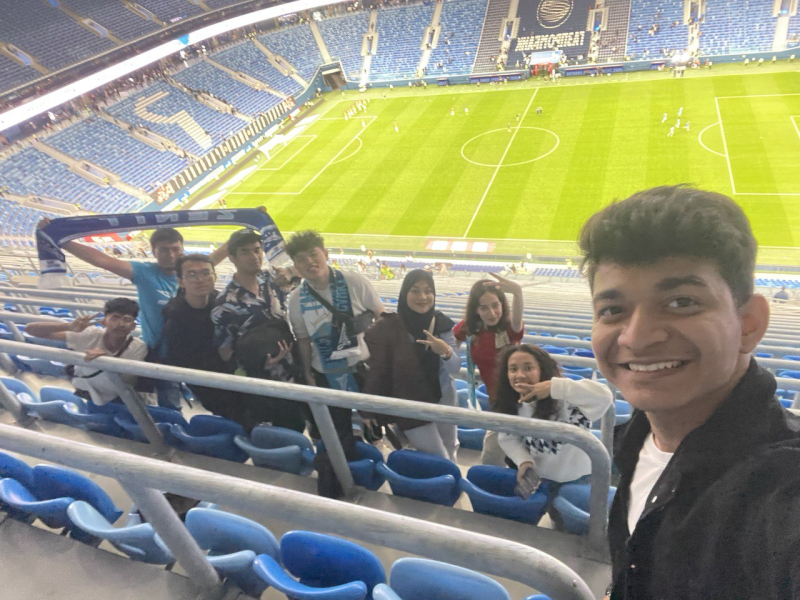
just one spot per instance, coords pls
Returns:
(81, 323)
(505, 285)
(537, 391)
(284, 349)
(438, 346)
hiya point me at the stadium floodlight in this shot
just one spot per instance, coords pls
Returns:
(48, 101)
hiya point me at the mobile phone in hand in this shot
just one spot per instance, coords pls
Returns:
(528, 485)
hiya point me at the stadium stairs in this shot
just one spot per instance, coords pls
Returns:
(615, 35)
(280, 63)
(323, 49)
(489, 45)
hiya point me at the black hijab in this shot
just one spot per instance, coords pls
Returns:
(416, 324)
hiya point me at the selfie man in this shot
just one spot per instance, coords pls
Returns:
(708, 502)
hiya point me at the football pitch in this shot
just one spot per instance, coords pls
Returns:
(524, 165)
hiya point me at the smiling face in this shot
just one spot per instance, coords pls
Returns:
(669, 335)
(490, 309)
(522, 369)
(421, 297)
(312, 264)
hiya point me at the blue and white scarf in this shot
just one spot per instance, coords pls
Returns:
(52, 262)
(333, 343)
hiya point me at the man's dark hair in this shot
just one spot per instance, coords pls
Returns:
(304, 241)
(165, 236)
(122, 306)
(673, 221)
(196, 257)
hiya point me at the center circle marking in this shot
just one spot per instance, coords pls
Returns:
(516, 164)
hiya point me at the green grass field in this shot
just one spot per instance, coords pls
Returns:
(529, 185)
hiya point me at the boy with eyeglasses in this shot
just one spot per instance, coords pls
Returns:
(114, 339)
(189, 331)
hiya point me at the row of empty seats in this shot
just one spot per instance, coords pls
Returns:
(114, 16)
(248, 59)
(736, 25)
(400, 32)
(103, 143)
(344, 37)
(201, 119)
(48, 34)
(19, 221)
(297, 45)
(461, 23)
(244, 553)
(669, 37)
(30, 171)
(203, 76)
(13, 74)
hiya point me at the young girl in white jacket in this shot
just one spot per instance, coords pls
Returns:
(529, 384)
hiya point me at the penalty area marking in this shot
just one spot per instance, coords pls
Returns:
(700, 139)
(353, 153)
(516, 164)
(320, 172)
(266, 166)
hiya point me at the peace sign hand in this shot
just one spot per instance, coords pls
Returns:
(537, 391)
(438, 346)
(284, 348)
(505, 285)
(80, 323)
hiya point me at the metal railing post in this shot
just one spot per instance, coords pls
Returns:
(485, 553)
(608, 423)
(322, 416)
(136, 407)
(11, 404)
(155, 508)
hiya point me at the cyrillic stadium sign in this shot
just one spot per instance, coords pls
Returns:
(553, 24)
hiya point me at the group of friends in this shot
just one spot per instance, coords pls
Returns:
(708, 497)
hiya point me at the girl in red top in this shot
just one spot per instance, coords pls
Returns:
(491, 326)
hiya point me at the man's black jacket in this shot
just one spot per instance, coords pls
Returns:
(723, 520)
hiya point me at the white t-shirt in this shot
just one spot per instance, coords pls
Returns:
(363, 297)
(100, 387)
(652, 463)
(580, 403)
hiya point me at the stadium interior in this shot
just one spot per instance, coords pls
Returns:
(123, 107)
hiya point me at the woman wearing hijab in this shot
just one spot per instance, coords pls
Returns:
(413, 356)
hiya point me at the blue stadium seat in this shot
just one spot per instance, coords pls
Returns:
(343, 36)
(163, 417)
(278, 448)
(491, 491)
(327, 567)
(423, 579)
(209, 435)
(461, 25)
(137, 540)
(572, 504)
(422, 476)
(471, 438)
(400, 31)
(297, 45)
(233, 543)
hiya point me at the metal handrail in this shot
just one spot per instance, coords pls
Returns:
(495, 556)
(314, 396)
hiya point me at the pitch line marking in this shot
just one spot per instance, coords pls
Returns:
(310, 139)
(700, 139)
(360, 145)
(725, 145)
(793, 119)
(524, 162)
(760, 96)
(321, 171)
(500, 163)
